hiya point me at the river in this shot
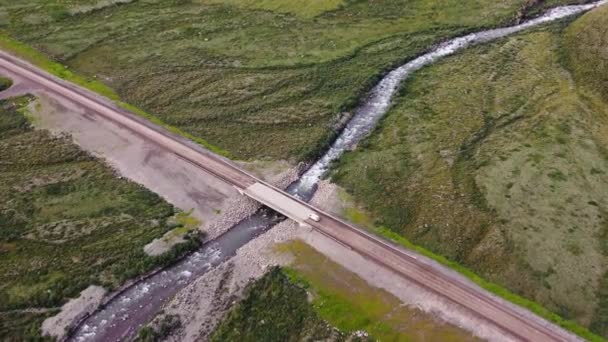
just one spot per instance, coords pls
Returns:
(122, 317)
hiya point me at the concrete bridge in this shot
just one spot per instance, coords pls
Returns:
(281, 202)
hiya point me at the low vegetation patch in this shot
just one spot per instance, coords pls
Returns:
(259, 79)
(163, 329)
(5, 83)
(66, 222)
(586, 53)
(304, 8)
(493, 158)
(352, 305)
(274, 309)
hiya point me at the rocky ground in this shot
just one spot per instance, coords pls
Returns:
(201, 305)
(240, 207)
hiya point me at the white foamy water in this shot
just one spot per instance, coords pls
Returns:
(367, 115)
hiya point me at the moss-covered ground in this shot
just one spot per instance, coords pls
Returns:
(305, 301)
(256, 78)
(496, 159)
(66, 222)
(349, 303)
(274, 309)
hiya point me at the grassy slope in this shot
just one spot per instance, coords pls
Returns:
(494, 159)
(66, 222)
(586, 42)
(349, 303)
(587, 53)
(298, 303)
(306, 8)
(535, 7)
(274, 310)
(257, 83)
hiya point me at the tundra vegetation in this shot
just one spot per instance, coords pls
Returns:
(164, 328)
(496, 158)
(275, 79)
(5, 83)
(274, 309)
(260, 79)
(305, 301)
(66, 222)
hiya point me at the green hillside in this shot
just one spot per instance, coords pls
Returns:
(586, 52)
(259, 79)
(497, 159)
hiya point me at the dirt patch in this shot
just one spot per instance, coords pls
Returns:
(330, 197)
(87, 302)
(18, 88)
(144, 162)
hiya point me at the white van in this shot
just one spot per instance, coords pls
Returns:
(314, 217)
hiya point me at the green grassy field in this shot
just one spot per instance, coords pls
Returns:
(265, 79)
(349, 303)
(274, 309)
(304, 301)
(585, 56)
(306, 8)
(66, 222)
(587, 41)
(494, 158)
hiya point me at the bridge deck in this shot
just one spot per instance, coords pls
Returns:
(279, 201)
